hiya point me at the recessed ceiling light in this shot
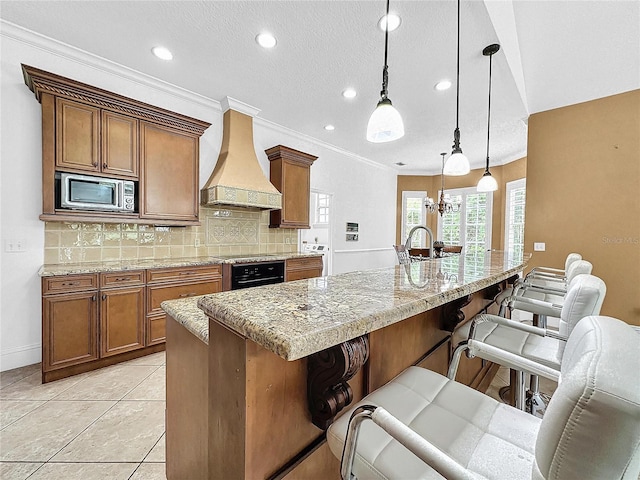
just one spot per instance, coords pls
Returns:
(162, 53)
(443, 85)
(329, 128)
(266, 40)
(349, 93)
(394, 22)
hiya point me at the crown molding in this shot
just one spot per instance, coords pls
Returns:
(229, 103)
(306, 138)
(82, 57)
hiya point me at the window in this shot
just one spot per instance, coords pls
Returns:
(413, 214)
(471, 226)
(514, 221)
(321, 215)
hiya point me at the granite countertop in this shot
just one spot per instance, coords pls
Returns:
(296, 319)
(50, 270)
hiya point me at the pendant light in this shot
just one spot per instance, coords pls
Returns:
(385, 123)
(457, 164)
(487, 183)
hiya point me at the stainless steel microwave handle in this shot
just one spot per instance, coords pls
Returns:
(120, 194)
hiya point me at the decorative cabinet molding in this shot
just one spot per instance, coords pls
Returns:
(87, 129)
(291, 175)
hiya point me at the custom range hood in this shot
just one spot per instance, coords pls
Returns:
(237, 179)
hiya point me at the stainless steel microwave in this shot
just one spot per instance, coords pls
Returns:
(86, 192)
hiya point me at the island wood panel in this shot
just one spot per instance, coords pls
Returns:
(259, 437)
(474, 371)
(396, 347)
(187, 426)
(320, 464)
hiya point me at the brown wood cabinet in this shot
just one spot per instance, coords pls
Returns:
(291, 175)
(69, 329)
(89, 130)
(169, 180)
(122, 313)
(304, 267)
(77, 136)
(119, 144)
(92, 140)
(174, 283)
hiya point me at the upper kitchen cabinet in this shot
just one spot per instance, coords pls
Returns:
(291, 175)
(91, 131)
(169, 169)
(92, 140)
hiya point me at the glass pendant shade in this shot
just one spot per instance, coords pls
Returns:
(385, 123)
(457, 164)
(487, 183)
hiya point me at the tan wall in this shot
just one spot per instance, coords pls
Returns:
(583, 193)
(502, 174)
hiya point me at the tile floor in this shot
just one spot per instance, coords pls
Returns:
(105, 424)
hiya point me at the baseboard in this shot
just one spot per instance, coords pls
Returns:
(20, 356)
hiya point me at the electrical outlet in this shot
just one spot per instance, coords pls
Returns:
(287, 240)
(196, 243)
(539, 246)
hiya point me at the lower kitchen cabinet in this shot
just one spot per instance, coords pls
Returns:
(69, 329)
(122, 319)
(304, 267)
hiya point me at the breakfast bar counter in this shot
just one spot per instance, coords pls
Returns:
(251, 396)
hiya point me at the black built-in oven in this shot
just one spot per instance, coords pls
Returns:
(255, 274)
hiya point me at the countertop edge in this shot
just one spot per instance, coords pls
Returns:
(54, 270)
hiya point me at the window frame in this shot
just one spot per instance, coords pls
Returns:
(406, 195)
(510, 187)
(465, 192)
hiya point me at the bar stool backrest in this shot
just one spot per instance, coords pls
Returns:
(585, 296)
(591, 427)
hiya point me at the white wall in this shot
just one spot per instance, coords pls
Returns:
(362, 192)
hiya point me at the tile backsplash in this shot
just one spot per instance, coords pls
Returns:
(222, 232)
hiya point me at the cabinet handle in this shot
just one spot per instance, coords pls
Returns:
(122, 279)
(187, 273)
(70, 284)
(104, 297)
(95, 164)
(104, 165)
(93, 298)
(187, 295)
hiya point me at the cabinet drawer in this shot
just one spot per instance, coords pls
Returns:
(158, 294)
(304, 263)
(158, 275)
(121, 279)
(69, 283)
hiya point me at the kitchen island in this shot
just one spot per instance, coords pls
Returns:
(251, 395)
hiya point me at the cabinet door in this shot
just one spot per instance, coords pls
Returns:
(169, 174)
(77, 135)
(119, 144)
(122, 319)
(156, 329)
(69, 330)
(295, 199)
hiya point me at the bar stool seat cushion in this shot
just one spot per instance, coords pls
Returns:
(462, 422)
(547, 351)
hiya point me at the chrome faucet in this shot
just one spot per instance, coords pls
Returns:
(407, 244)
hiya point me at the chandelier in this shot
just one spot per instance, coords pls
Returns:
(445, 205)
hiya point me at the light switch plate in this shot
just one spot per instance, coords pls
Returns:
(539, 246)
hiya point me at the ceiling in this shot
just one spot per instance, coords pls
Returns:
(554, 53)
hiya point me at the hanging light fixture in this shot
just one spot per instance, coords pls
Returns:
(385, 123)
(457, 164)
(445, 205)
(487, 183)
